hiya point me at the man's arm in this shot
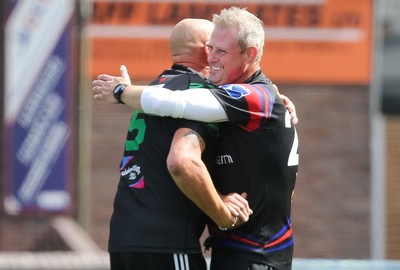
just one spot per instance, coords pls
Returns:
(190, 174)
(196, 104)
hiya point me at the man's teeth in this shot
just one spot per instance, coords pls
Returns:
(216, 68)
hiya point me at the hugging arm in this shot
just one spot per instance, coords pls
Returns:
(197, 104)
(190, 174)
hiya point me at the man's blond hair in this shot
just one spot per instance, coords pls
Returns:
(250, 28)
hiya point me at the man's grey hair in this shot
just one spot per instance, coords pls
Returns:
(251, 29)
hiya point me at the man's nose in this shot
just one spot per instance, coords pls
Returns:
(211, 57)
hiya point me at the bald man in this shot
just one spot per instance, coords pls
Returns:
(188, 44)
(154, 225)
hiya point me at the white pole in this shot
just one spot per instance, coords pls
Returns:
(378, 146)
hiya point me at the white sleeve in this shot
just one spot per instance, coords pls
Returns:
(194, 104)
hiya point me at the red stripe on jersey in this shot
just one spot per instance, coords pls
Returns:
(258, 102)
(267, 101)
(254, 244)
(281, 239)
(245, 240)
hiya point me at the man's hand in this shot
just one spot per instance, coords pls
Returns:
(289, 105)
(291, 108)
(238, 206)
(104, 86)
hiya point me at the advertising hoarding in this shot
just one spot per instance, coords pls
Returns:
(38, 102)
(307, 41)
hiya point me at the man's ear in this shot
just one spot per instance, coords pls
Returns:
(206, 47)
(251, 54)
(205, 51)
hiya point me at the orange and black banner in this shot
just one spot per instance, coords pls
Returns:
(307, 41)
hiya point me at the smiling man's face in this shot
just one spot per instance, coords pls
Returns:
(228, 64)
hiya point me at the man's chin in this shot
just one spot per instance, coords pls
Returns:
(214, 80)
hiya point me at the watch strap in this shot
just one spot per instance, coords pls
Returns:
(118, 90)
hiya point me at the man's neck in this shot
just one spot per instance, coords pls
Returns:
(202, 69)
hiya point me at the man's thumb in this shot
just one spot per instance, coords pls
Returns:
(124, 73)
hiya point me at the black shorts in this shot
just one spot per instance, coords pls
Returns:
(156, 261)
(227, 259)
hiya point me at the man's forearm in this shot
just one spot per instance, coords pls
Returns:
(132, 95)
(191, 176)
(197, 104)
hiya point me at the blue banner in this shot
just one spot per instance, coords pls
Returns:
(40, 85)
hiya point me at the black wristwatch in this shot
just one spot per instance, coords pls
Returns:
(118, 90)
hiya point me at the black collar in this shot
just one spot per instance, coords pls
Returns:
(258, 77)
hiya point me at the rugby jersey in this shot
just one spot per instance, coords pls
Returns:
(150, 213)
(257, 153)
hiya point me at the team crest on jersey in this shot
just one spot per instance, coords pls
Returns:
(236, 90)
(131, 172)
